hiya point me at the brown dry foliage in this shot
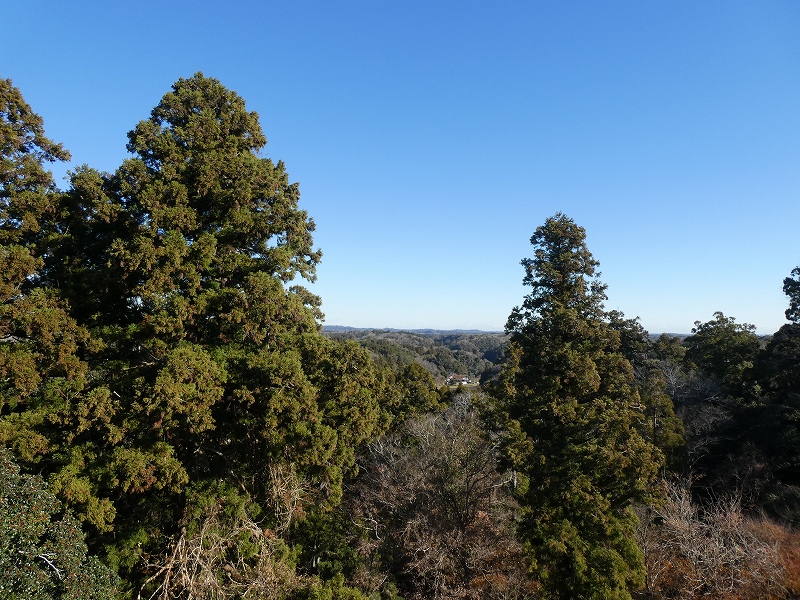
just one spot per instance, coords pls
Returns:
(789, 552)
(225, 556)
(436, 516)
(715, 551)
(208, 564)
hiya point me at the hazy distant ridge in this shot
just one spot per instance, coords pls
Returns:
(340, 328)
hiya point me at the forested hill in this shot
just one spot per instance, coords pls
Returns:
(442, 353)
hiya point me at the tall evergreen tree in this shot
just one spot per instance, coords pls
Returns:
(568, 398)
(197, 376)
(791, 287)
(51, 403)
(217, 350)
(37, 338)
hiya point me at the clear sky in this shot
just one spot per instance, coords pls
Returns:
(431, 138)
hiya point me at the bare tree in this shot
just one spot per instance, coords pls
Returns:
(711, 551)
(222, 552)
(434, 508)
(210, 563)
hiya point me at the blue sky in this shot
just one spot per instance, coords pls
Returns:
(430, 139)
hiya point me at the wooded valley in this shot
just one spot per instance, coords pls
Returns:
(175, 423)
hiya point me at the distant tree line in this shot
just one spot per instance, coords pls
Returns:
(174, 424)
(440, 353)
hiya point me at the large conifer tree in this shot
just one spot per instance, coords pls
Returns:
(568, 396)
(38, 340)
(197, 382)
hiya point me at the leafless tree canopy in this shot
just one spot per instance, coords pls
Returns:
(434, 508)
(712, 551)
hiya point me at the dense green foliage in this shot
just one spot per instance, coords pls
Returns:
(573, 414)
(723, 349)
(169, 355)
(791, 287)
(42, 550)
